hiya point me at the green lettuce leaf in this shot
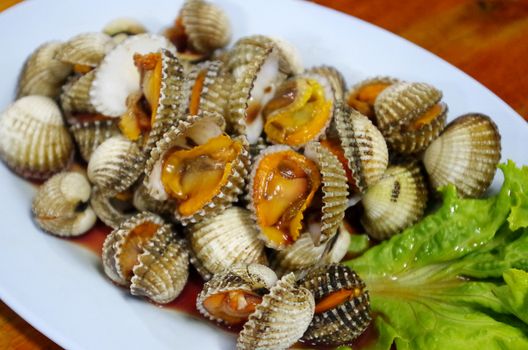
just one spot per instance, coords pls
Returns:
(456, 279)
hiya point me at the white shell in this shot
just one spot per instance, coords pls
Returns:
(60, 206)
(117, 77)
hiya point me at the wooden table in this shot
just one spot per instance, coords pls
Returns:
(488, 39)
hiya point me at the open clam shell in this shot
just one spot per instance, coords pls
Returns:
(401, 103)
(303, 254)
(224, 240)
(85, 51)
(34, 142)
(255, 84)
(201, 28)
(117, 77)
(143, 201)
(330, 77)
(396, 202)
(75, 96)
(363, 94)
(198, 146)
(61, 205)
(342, 307)
(144, 254)
(231, 295)
(90, 134)
(280, 319)
(466, 155)
(364, 147)
(42, 73)
(115, 165)
(111, 210)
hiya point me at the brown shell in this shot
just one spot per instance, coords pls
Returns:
(466, 154)
(88, 135)
(86, 49)
(109, 210)
(42, 73)
(75, 95)
(344, 323)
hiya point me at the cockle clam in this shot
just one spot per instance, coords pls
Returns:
(232, 295)
(342, 307)
(61, 206)
(227, 239)
(144, 254)
(362, 96)
(34, 141)
(123, 27)
(466, 154)
(197, 166)
(85, 51)
(112, 210)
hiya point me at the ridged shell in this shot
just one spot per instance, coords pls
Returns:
(402, 102)
(364, 147)
(291, 60)
(342, 324)
(161, 269)
(90, 134)
(86, 49)
(334, 188)
(206, 25)
(117, 76)
(361, 106)
(200, 129)
(303, 254)
(331, 77)
(115, 165)
(108, 210)
(224, 240)
(253, 278)
(214, 92)
(396, 202)
(143, 201)
(408, 141)
(466, 154)
(280, 320)
(75, 95)
(169, 100)
(34, 141)
(61, 205)
(124, 25)
(42, 73)
(258, 80)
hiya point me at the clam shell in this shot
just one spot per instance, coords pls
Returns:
(396, 202)
(342, 324)
(34, 142)
(291, 60)
(331, 77)
(280, 320)
(108, 210)
(200, 129)
(406, 141)
(75, 95)
(334, 188)
(115, 165)
(161, 269)
(253, 278)
(42, 73)
(214, 93)
(206, 25)
(253, 88)
(86, 49)
(466, 154)
(363, 107)
(117, 76)
(303, 254)
(143, 201)
(90, 134)
(60, 206)
(402, 102)
(364, 147)
(225, 240)
(124, 25)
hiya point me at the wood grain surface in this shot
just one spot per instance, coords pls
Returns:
(488, 39)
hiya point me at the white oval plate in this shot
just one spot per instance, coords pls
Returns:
(57, 286)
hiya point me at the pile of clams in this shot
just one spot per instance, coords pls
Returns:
(237, 161)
